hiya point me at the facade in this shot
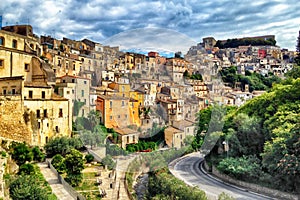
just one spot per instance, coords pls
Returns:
(76, 88)
(114, 110)
(26, 79)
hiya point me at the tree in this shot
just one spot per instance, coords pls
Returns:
(21, 153)
(27, 187)
(74, 162)
(108, 161)
(62, 145)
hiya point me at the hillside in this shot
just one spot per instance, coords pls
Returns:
(264, 139)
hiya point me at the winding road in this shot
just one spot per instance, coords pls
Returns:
(188, 169)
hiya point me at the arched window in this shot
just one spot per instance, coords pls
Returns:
(14, 44)
(2, 40)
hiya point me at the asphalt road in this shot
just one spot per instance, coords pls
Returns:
(188, 170)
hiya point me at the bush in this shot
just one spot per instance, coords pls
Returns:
(38, 155)
(27, 187)
(74, 179)
(3, 154)
(21, 153)
(89, 158)
(58, 163)
(26, 169)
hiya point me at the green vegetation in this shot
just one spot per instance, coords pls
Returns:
(74, 165)
(21, 153)
(89, 158)
(76, 107)
(234, 43)
(58, 163)
(163, 185)
(224, 196)
(28, 183)
(141, 146)
(254, 80)
(263, 137)
(62, 145)
(108, 161)
(195, 76)
(153, 160)
(115, 150)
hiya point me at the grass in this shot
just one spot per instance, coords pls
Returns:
(88, 182)
(91, 195)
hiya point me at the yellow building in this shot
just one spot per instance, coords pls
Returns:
(122, 89)
(113, 110)
(25, 78)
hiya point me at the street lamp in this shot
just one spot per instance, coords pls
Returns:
(226, 147)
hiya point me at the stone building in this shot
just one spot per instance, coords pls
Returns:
(26, 82)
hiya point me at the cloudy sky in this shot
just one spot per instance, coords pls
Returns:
(170, 25)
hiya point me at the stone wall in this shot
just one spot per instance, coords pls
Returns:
(12, 124)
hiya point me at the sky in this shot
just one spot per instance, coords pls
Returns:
(166, 25)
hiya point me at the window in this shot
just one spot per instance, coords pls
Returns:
(26, 67)
(84, 82)
(110, 117)
(56, 129)
(123, 88)
(14, 44)
(45, 113)
(38, 113)
(126, 116)
(119, 116)
(127, 139)
(2, 41)
(4, 91)
(73, 91)
(73, 80)
(74, 66)
(60, 114)
(30, 94)
(1, 63)
(82, 93)
(110, 104)
(43, 94)
(123, 103)
(13, 91)
(39, 125)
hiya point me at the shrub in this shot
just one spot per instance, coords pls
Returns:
(38, 155)
(89, 158)
(27, 169)
(58, 163)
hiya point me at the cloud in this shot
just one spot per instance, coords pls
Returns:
(101, 19)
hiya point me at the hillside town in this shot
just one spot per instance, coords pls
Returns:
(43, 80)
